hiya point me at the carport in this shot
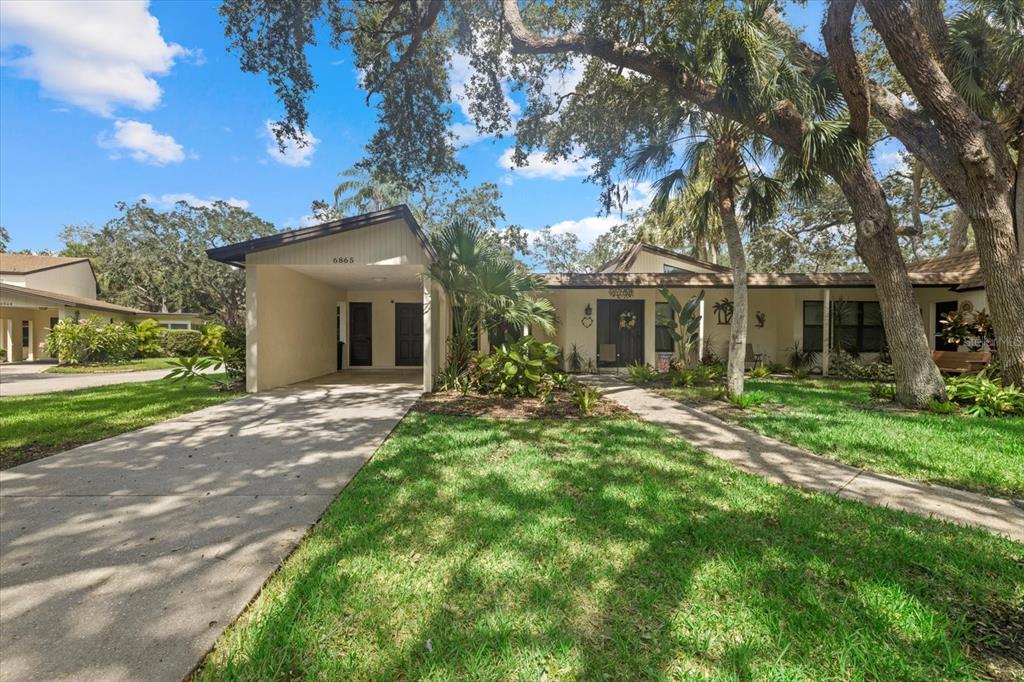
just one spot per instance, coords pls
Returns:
(348, 296)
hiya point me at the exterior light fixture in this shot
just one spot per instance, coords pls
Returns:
(588, 311)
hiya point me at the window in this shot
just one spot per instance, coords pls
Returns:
(856, 326)
(54, 321)
(672, 268)
(176, 325)
(25, 342)
(813, 314)
(662, 338)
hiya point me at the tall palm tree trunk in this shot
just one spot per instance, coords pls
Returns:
(726, 192)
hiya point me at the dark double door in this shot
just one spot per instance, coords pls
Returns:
(408, 334)
(628, 343)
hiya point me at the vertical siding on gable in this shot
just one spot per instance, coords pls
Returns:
(386, 244)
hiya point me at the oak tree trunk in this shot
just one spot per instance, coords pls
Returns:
(917, 378)
(738, 326)
(958, 233)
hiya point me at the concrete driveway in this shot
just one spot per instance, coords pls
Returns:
(126, 558)
(31, 378)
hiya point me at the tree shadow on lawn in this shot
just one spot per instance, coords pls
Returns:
(483, 549)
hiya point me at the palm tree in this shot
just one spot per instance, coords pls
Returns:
(486, 289)
(361, 192)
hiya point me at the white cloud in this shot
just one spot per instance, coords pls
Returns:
(294, 154)
(96, 55)
(142, 143)
(168, 200)
(587, 229)
(539, 167)
(305, 221)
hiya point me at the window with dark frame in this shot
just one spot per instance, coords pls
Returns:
(668, 269)
(857, 326)
(663, 342)
(813, 325)
(24, 333)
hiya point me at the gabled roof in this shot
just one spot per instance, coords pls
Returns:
(24, 263)
(73, 301)
(234, 254)
(625, 260)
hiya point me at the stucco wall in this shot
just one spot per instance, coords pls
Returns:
(75, 279)
(290, 322)
(783, 309)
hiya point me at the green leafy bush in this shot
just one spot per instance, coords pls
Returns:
(147, 336)
(939, 407)
(212, 335)
(182, 342)
(233, 338)
(845, 366)
(800, 359)
(696, 376)
(760, 372)
(89, 340)
(586, 398)
(641, 373)
(521, 368)
(983, 396)
(880, 391)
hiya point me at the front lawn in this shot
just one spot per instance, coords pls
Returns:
(137, 365)
(605, 548)
(35, 426)
(838, 419)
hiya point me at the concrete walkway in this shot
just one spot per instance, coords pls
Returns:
(789, 465)
(30, 379)
(126, 558)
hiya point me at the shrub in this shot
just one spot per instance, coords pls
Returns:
(776, 368)
(115, 342)
(760, 372)
(574, 361)
(800, 358)
(586, 398)
(148, 334)
(943, 407)
(697, 376)
(88, 340)
(881, 391)
(182, 342)
(801, 373)
(521, 368)
(234, 338)
(212, 335)
(562, 381)
(983, 396)
(641, 373)
(845, 366)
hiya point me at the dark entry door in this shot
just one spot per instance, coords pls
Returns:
(941, 309)
(629, 343)
(408, 334)
(360, 334)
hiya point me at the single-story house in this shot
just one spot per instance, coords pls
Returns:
(38, 291)
(352, 294)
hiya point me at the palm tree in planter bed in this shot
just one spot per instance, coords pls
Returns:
(486, 287)
(720, 183)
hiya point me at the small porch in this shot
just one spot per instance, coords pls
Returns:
(23, 332)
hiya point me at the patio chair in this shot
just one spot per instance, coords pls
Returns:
(752, 358)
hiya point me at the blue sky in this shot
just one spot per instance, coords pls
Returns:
(109, 103)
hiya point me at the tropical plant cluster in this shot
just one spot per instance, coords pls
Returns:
(982, 395)
(843, 365)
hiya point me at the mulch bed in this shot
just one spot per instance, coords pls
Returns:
(560, 405)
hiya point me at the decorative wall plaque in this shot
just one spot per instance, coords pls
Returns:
(621, 292)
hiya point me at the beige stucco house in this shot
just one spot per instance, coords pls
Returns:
(352, 294)
(38, 291)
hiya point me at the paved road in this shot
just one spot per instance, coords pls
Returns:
(789, 465)
(126, 558)
(31, 378)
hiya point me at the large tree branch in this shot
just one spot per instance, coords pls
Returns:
(425, 22)
(838, 34)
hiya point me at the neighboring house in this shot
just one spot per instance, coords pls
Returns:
(352, 293)
(38, 291)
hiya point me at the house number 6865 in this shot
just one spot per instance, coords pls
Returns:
(344, 259)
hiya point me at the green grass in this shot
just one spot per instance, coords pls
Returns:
(34, 426)
(837, 419)
(496, 550)
(137, 365)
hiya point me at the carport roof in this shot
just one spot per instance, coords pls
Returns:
(234, 254)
